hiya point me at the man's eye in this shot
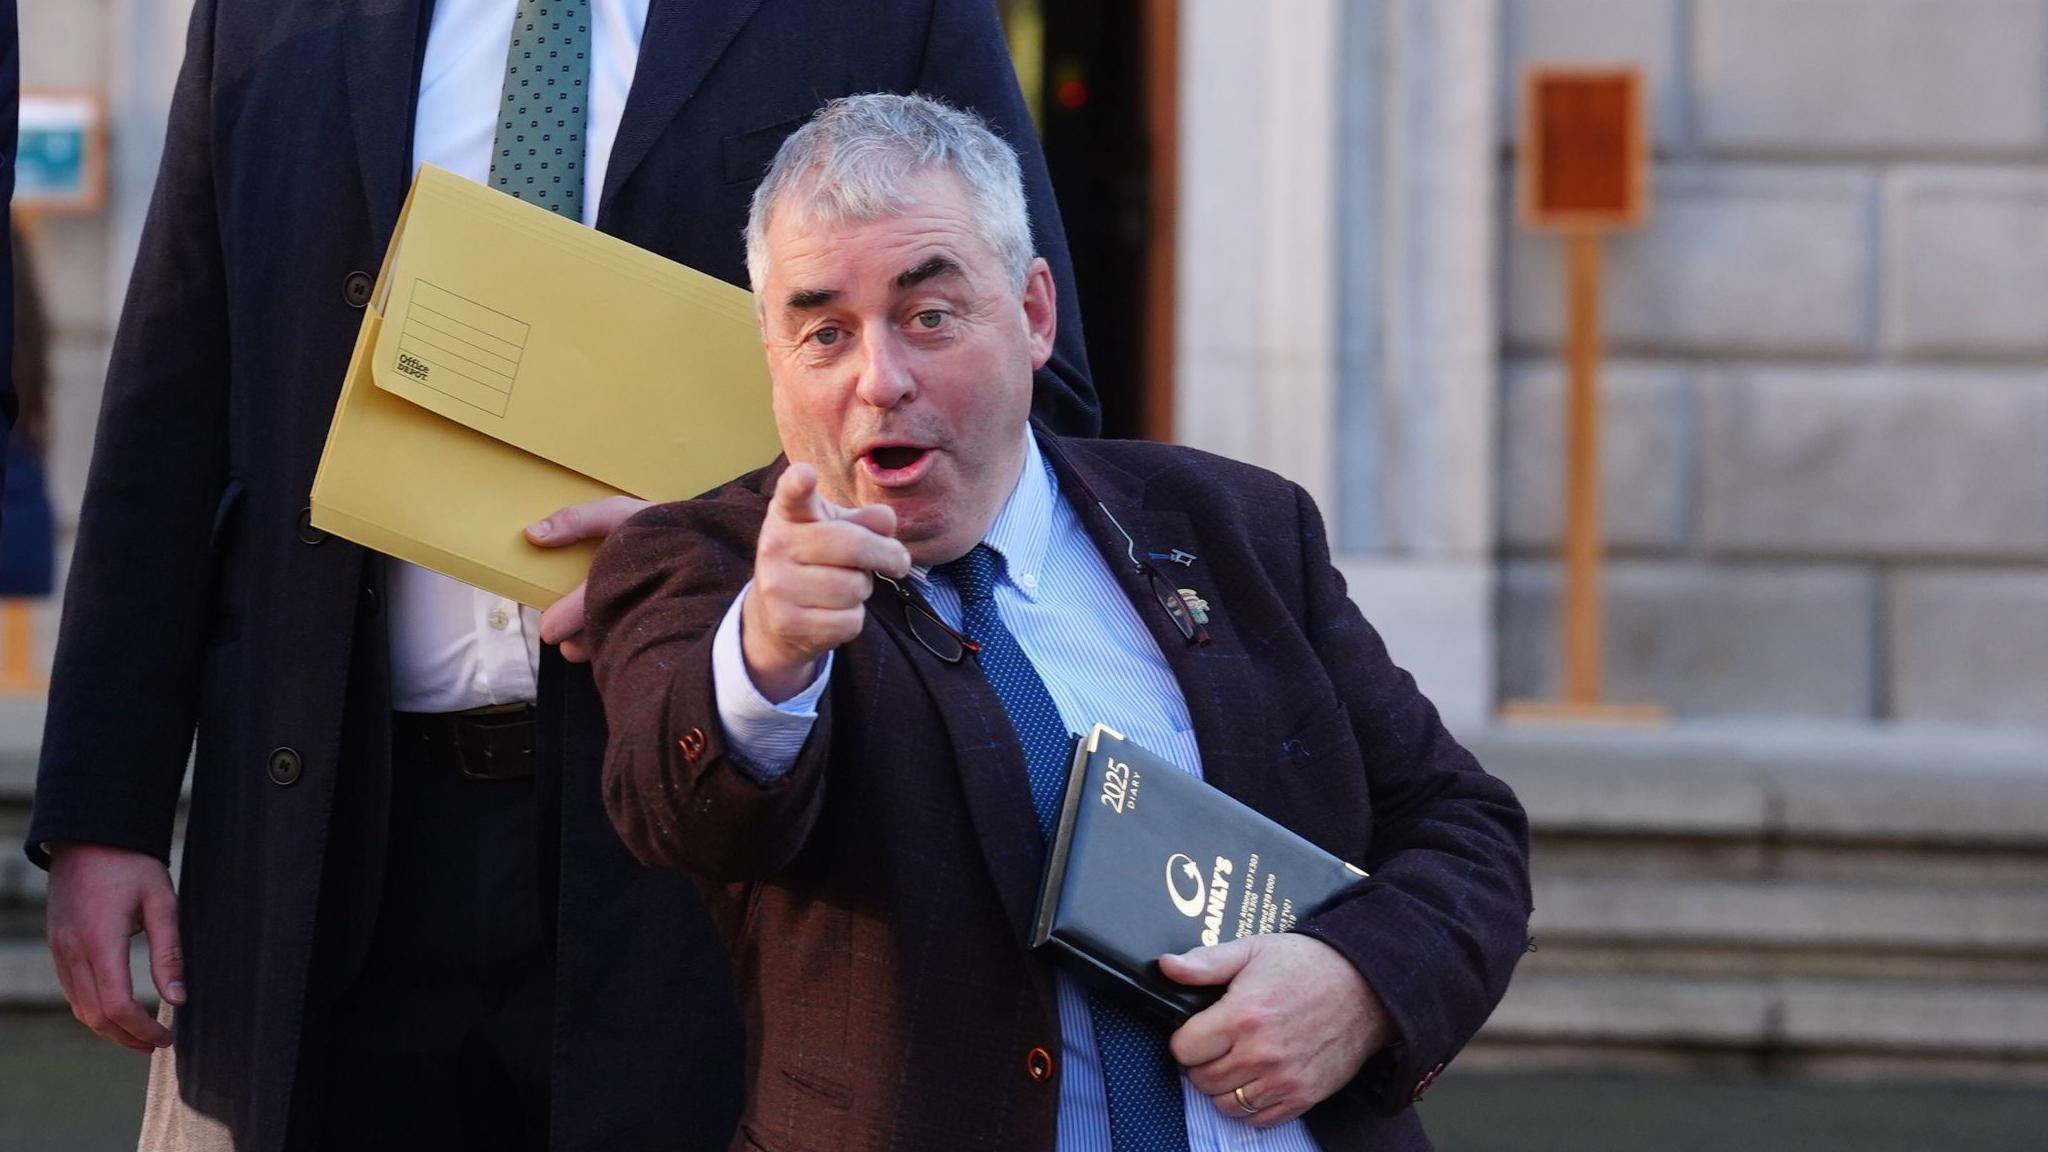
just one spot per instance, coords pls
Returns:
(930, 319)
(826, 336)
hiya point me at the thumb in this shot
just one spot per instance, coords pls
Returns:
(796, 496)
(590, 520)
(1217, 964)
(166, 956)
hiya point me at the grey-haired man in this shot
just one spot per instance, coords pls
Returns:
(841, 690)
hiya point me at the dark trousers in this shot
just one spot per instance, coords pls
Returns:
(442, 1039)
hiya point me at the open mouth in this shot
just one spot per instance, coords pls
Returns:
(894, 458)
(897, 465)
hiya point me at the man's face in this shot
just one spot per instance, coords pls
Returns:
(902, 354)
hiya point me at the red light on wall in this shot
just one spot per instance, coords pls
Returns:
(1072, 94)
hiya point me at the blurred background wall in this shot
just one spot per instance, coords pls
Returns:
(1829, 465)
(127, 52)
(1826, 482)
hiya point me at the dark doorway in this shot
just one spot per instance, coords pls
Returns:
(1091, 71)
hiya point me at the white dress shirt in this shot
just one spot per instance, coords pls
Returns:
(454, 646)
(1059, 598)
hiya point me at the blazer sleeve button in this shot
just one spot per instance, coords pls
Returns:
(1038, 1063)
(692, 745)
(356, 289)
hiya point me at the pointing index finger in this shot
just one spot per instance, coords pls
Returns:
(796, 496)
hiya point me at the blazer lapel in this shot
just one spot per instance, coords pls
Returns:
(990, 762)
(1215, 679)
(993, 777)
(383, 47)
(681, 42)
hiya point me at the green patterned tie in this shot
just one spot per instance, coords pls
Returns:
(539, 150)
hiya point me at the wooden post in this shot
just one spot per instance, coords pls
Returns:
(1580, 614)
(18, 675)
(1584, 172)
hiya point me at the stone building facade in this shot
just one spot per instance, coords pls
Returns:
(1829, 420)
(1827, 408)
(1826, 412)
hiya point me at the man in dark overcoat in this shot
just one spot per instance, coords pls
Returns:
(382, 938)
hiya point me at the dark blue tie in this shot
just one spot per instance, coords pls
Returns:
(1139, 1076)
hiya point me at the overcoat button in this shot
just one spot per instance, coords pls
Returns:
(309, 535)
(1038, 1062)
(285, 766)
(692, 745)
(356, 289)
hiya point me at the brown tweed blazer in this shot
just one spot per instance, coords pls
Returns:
(877, 898)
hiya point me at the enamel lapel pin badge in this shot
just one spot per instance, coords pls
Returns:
(1197, 607)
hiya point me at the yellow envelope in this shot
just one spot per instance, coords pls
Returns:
(512, 362)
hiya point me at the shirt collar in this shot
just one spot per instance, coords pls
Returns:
(1022, 531)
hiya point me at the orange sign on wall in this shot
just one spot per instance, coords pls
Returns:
(1585, 150)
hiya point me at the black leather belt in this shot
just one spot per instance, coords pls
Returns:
(489, 743)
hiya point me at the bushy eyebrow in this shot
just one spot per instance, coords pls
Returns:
(809, 299)
(931, 268)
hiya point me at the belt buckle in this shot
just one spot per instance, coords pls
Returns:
(495, 742)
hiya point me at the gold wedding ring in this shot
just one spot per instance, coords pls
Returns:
(1243, 1103)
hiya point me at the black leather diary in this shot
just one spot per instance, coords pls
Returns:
(1146, 860)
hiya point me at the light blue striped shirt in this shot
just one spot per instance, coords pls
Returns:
(1060, 599)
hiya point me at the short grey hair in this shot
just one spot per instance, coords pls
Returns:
(852, 160)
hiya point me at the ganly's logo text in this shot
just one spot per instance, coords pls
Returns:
(1192, 898)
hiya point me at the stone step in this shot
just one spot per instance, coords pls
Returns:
(1790, 898)
(1920, 786)
(2006, 919)
(21, 736)
(28, 977)
(2003, 1021)
(22, 884)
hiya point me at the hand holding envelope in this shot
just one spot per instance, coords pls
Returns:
(562, 623)
(512, 363)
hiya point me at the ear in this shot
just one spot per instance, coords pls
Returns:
(1041, 311)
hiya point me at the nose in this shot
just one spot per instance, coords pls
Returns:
(885, 377)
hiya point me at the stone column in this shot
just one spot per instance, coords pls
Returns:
(1256, 280)
(1337, 294)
